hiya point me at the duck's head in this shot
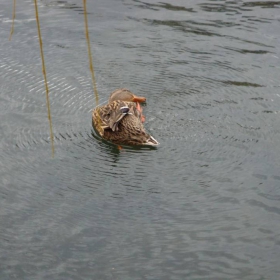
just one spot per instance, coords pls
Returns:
(125, 95)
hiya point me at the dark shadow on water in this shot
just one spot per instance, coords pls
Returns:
(262, 4)
(62, 4)
(243, 51)
(244, 84)
(164, 5)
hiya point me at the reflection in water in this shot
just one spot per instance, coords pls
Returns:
(63, 4)
(244, 84)
(166, 6)
(205, 204)
(263, 4)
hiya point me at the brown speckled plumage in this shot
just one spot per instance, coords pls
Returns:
(120, 122)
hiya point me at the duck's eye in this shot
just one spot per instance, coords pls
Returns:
(124, 109)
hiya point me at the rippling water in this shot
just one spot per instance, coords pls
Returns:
(205, 204)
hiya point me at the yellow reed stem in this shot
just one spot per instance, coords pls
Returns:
(89, 54)
(45, 76)
(13, 20)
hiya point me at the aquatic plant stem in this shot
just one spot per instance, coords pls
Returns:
(45, 76)
(13, 20)
(89, 54)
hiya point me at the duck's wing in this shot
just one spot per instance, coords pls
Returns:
(112, 114)
(109, 116)
(117, 115)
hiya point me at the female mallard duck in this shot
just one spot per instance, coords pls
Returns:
(120, 121)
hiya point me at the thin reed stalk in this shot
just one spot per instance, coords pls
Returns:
(45, 76)
(13, 20)
(89, 54)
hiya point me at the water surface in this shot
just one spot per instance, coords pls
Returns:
(204, 204)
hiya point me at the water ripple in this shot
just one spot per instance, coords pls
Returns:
(204, 204)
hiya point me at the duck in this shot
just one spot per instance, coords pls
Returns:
(120, 121)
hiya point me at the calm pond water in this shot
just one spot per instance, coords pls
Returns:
(204, 204)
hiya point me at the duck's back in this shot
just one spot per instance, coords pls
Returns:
(120, 112)
(120, 122)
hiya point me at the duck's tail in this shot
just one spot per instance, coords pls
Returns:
(151, 141)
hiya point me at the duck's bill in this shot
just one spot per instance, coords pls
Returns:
(139, 99)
